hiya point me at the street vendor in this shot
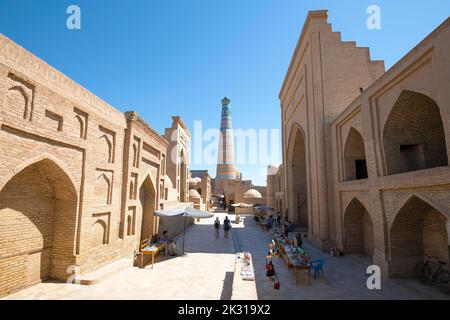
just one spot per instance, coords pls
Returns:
(165, 242)
(153, 239)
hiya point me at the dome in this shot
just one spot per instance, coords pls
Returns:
(252, 193)
(272, 170)
(194, 194)
(194, 181)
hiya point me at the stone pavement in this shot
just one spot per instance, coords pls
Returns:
(345, 276)
(206, 273)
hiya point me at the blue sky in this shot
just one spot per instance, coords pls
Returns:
(180, 57)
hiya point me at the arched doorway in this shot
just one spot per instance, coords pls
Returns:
(38, 209)
(418, 230)
(147, 197)
(355, 157)
(358, 230)
(413, 136)
(297, 177)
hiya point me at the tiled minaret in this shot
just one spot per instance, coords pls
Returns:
(225, 162)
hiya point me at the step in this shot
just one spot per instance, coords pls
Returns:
(106, 271)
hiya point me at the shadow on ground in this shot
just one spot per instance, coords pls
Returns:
(345, 277)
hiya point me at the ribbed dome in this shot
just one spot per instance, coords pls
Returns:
(252, 193)
(194, 194)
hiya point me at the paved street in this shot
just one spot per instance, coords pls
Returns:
(345, 276)
(206, 272)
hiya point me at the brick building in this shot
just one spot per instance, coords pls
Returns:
(202, 185)
(365, 152)
(79, 180)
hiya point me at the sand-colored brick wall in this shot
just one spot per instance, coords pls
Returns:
(67, 162)
(406, 194)
(320, 83)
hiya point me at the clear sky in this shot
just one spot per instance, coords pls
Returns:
(180, 57)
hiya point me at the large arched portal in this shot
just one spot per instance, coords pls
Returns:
(413, 136)
(419, 230)
(358, 228)
(38, 209)
(147, 196)
(299, 194)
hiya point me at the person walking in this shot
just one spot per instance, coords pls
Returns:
(217, 227)
(226, 226)
(278, 219)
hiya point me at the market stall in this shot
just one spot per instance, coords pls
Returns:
(261, 215)
(184, 212)
(240, 206)
(294, 256)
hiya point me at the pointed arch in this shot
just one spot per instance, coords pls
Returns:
(25, 97)
(44, 156)
(81, 124)
(148, 203)
(102, 190)
(358, 229)
(297, 177)
(38, 197)
(413, 135)
(444, 210)
(418, 230)
(355, 164)
(99, 233)
(105, 149)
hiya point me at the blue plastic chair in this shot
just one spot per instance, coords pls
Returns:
(317, 266)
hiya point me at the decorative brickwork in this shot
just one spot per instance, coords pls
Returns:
(67, 163)
(377, 174)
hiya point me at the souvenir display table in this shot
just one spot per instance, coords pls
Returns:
(299, 261)
(244, 261)
(150, 249)
(280, 241)
(295, 258)
(244, 287)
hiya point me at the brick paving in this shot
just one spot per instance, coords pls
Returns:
(206, 272)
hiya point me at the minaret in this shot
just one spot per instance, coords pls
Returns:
(225, 162)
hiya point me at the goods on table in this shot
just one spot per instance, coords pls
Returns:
(245, 261)
(297, 256)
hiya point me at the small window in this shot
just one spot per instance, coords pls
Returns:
(361, 169)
